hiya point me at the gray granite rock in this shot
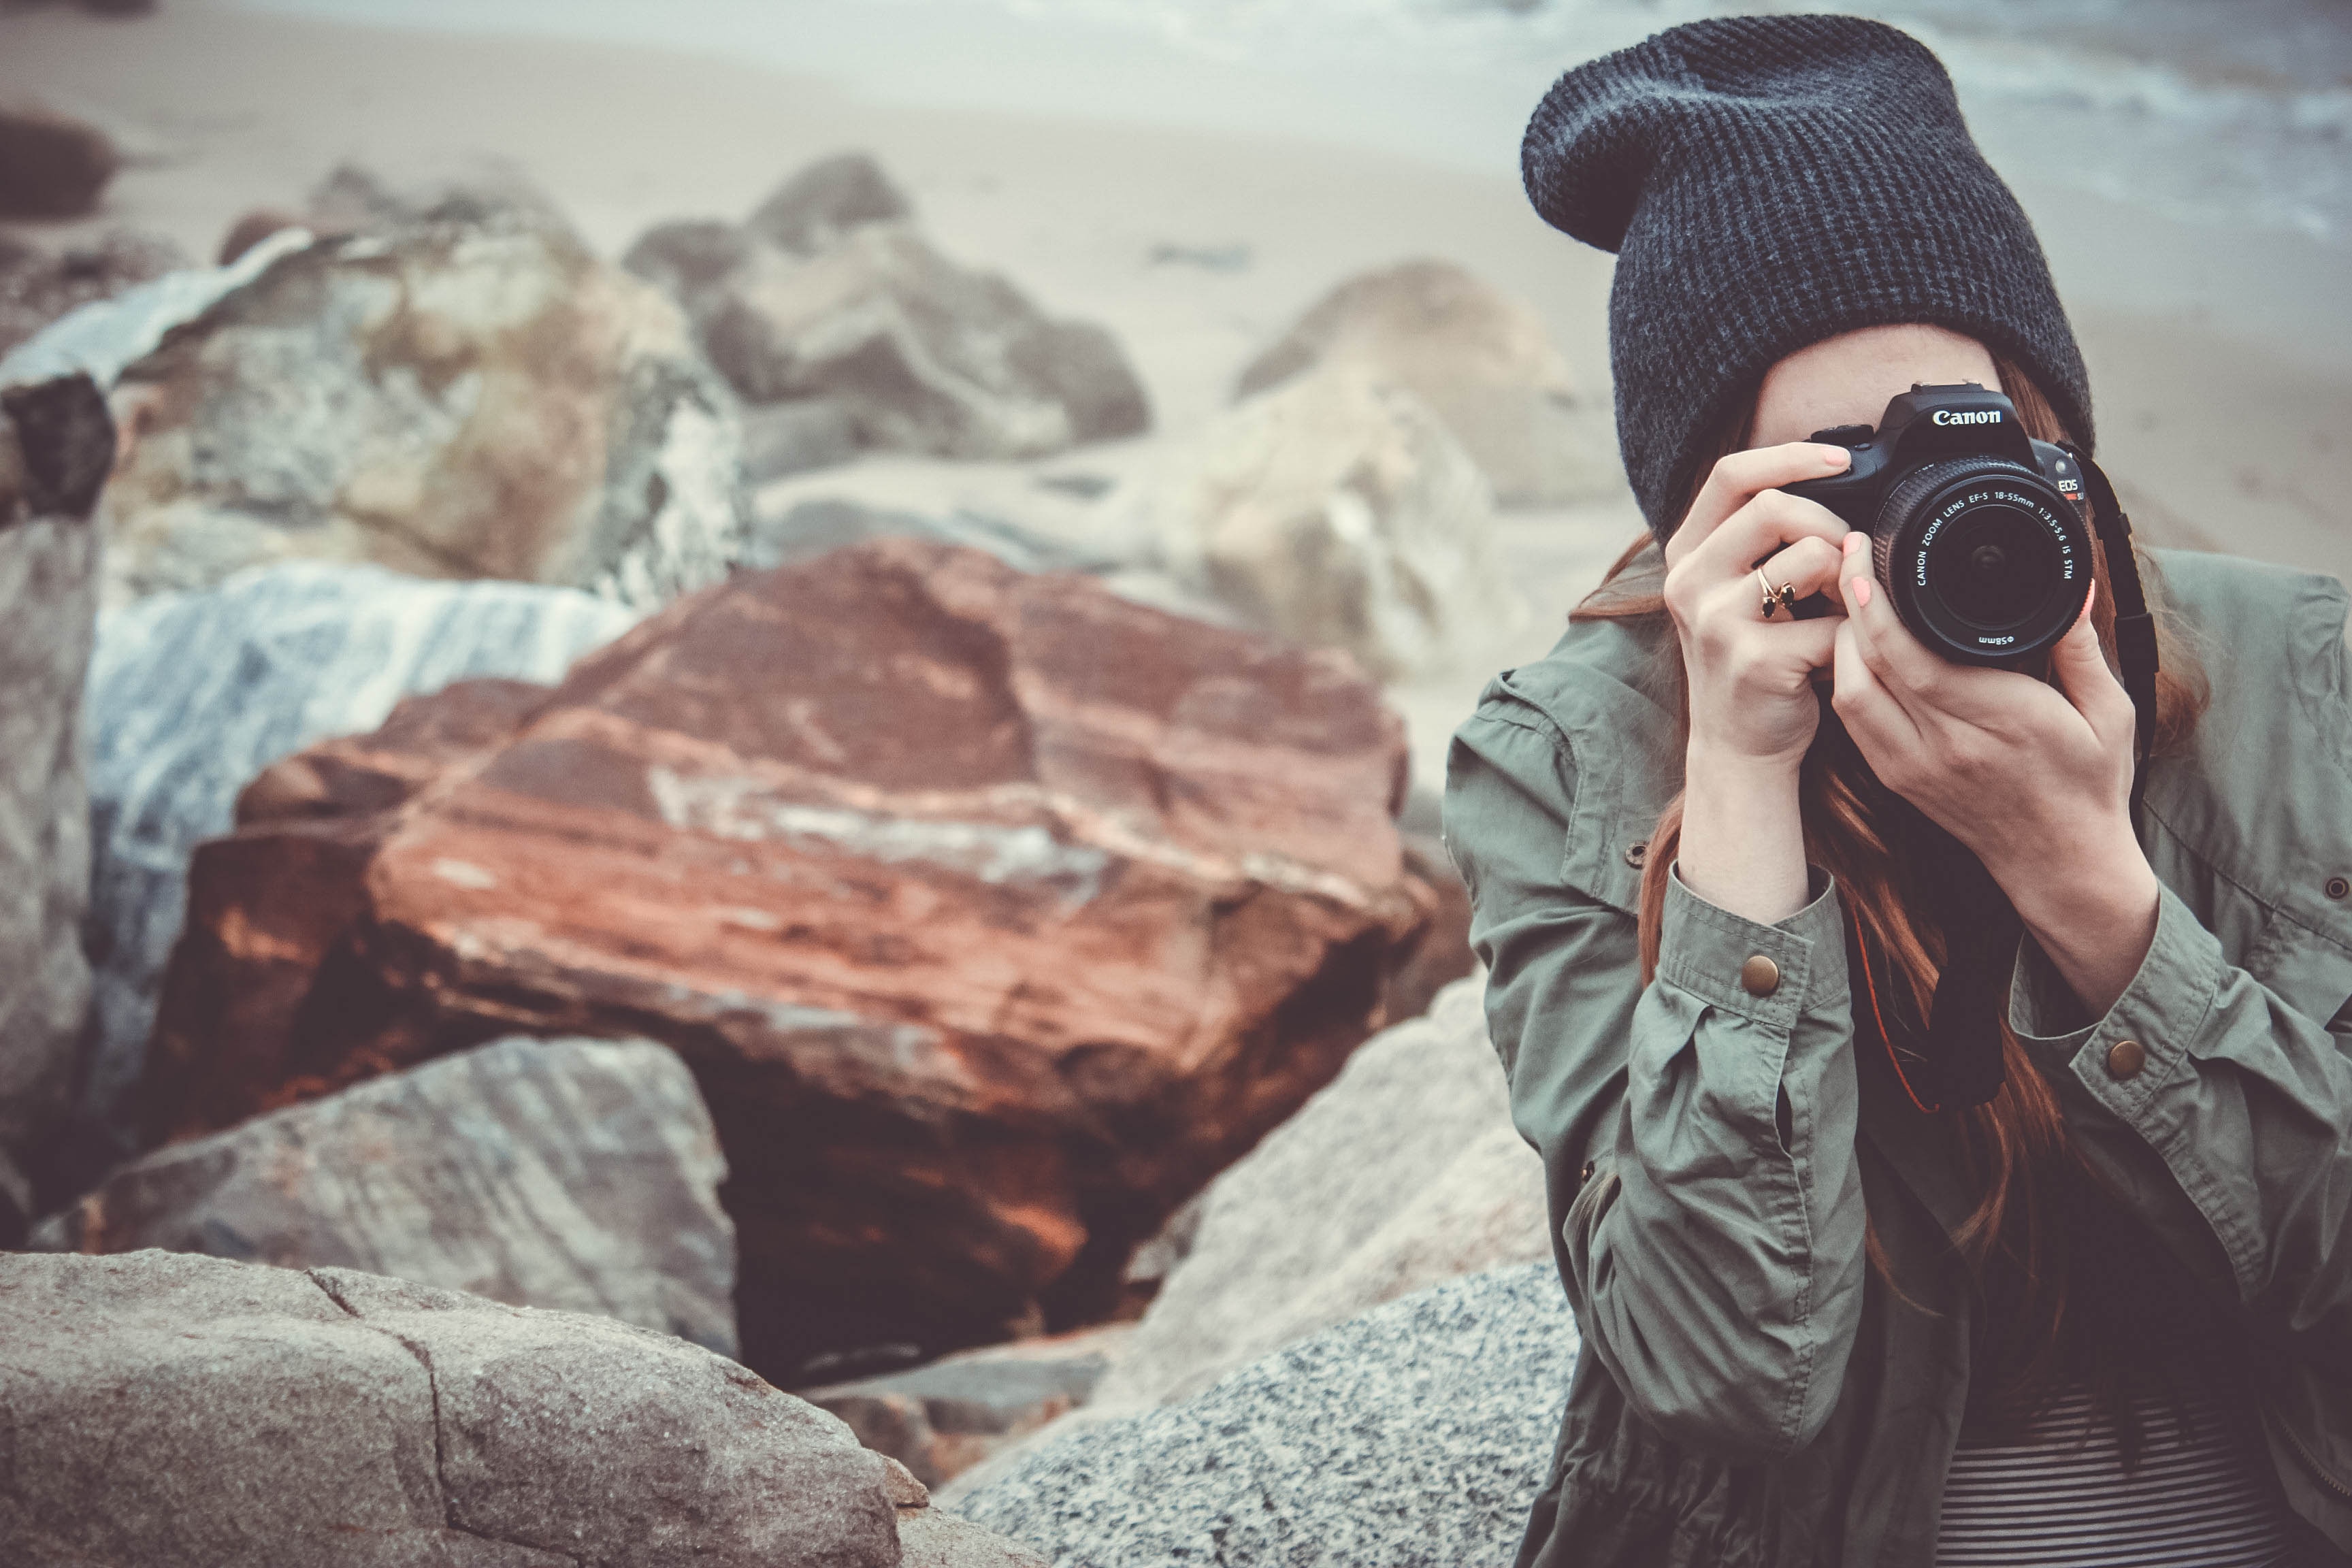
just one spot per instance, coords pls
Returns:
(55, 443)
(942, 1418)
(1480, 358)
(576, 1174)
(829, 292)
(1412, 1436)
(193, 694)
(1409, 1163)
(1336, 508)
(470, 392)
(820, 204)
(164, 1408)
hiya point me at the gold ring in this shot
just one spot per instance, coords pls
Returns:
(1783, 598)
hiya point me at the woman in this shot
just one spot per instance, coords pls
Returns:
(2106, 1316)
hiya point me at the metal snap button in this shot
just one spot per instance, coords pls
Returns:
(2339, 888)
(1585, 1174)
(1638, 852)
(1759, 976)
(2124, 1059)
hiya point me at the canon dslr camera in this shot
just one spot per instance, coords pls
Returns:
(1975, 526)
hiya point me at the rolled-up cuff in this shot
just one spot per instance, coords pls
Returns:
(2161, 1011)
(1703, 949)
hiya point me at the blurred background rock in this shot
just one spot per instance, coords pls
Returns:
(779, 671)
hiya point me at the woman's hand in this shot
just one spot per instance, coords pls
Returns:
(1749, 679)
(2033, 777)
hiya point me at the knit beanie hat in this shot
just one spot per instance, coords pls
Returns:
(1769, 182)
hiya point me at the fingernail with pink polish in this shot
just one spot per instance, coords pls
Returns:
(1852, 542)
(1862, 591)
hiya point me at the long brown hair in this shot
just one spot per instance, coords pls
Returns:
(2015, 1150)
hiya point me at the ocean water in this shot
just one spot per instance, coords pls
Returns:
(2235, 113)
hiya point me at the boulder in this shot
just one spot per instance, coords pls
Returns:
(100, 337)
(577, 1174)
(1479, 358)
(1414, 1435)
(993, 912)
(452, 399)
(814, 208)
(191, 695)
(782, 438)
(52, 166)
(1414, 1174)
(332, 1416)
(808, 529)
(941, 1419)
(55, 442)
(829, 292)
(38, 286)
(1338, 510)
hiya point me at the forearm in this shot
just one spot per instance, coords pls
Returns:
(2089, 899)
(1743, 839)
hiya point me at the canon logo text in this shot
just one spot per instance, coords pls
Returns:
(1982, 417)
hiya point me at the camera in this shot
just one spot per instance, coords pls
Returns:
(1976, 530)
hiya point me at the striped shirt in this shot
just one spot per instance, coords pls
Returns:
(2058, 1496)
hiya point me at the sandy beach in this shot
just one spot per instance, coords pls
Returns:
(2222, 361)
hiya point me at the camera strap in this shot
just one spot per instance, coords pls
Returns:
(2135, 626)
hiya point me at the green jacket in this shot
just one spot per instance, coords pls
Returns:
(1748, 1391)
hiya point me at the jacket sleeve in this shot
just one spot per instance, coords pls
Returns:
(1698, 1140)
(2201, 1082)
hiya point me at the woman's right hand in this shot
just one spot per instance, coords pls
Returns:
(1749, 679)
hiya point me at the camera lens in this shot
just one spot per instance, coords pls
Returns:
(1985, 560)
(1994, 567)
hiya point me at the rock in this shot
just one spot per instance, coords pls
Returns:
(191, 695)
(810, 528)
(830, 292)
(334, 1416)
(1413, 1174)
(1337, 511)
(489, 193)
(38, 286)
(55, 444)
(813, 209)
(52, 166)
(1415, 1436)
(100, 337)
(477, 398)
(251, 227)
(1479, 358)
(1443, 955)
(932, 1539)
(781, 438)
(932, 358)
(576, 1174)
(994, 913)
(941, 1419)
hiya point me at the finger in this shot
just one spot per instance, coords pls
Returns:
(1769, 521)
(1879, 724)
(1738, 477)
(2079, 666)
(1809, 567)
(1896, 659)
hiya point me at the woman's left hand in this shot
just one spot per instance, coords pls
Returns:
(2033, 777)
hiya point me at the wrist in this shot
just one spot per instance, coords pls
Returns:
(1714, 765)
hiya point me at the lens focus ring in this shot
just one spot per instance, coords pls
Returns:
(1985, 560)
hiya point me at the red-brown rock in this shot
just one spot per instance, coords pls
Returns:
(994, 914)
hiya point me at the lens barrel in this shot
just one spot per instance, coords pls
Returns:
(1985, 560)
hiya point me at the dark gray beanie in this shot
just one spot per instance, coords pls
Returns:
(1769, 182)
